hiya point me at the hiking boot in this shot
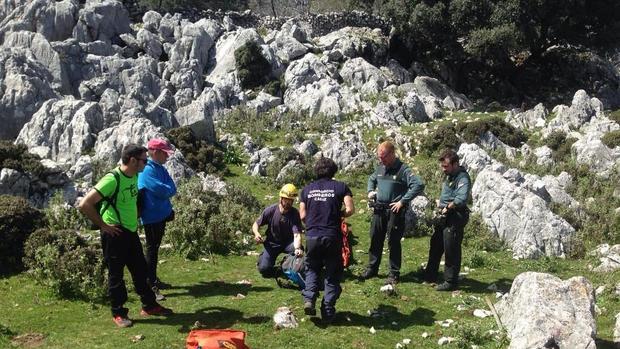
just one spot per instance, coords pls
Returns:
(156, 310)
(368, 274)
(122, 321)
(328, 319)
(161, 285)
(158, 296)
(392, 279)
(446, 286)
(309, 309)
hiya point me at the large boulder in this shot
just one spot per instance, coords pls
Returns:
(287, 48)
(24, 86)
(62, 130)
(102, 20)
(259, 161)
(533, 118)
(352, 42)
(347, 149)
(43, 53)
(111, 141)
(225, 47)
(542, 311)
(582, 110)
(52, 19)
(449, 99)
(398, 111)
(591, 151)
(609, 257)
(520, 216)
(319, 97)
(363, 76)
(310, 68)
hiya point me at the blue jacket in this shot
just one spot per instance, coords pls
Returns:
(158, 189)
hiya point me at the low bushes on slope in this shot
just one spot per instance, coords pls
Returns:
(66, 263)
(18, 219)
(200, 155)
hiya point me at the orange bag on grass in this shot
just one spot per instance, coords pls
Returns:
(216, 339)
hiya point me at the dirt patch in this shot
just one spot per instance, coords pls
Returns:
(28, 340)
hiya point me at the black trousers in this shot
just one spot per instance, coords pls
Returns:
(324, 253)
(385, 222)
(447, 240)
(119, 252)
(267, 259)
(154, 234)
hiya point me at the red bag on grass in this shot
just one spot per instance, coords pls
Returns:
(216, 339)
(346, 249)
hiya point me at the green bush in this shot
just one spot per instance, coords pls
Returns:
(66, 263)
(560, 145)
(62, 216)
(199, 155)
(611, 139)
(208, 223)
(443, 137)
(17, 157)
(18, 219)
(252, 67)
(471, 131)
(615, 116)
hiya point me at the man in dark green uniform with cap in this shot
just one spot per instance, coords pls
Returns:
(390, 190)
(449, 229)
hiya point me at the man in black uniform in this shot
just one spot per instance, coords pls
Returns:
(321, 208)
(390, 188)
(449, 229)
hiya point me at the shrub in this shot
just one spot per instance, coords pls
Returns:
(66, 263)
(443, 137)
(252, 67)
(17, 157)
(208, 223)
(199, 155)
(61, 216)
(611, 139)
(615, 116)
(18, 219)
(282, 157)
(471, 131)
(560, 145)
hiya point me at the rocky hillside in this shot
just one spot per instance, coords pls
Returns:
(78, 81)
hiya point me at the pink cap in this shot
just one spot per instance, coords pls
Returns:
(160, 144)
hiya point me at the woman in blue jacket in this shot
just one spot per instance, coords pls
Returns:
(156, 188)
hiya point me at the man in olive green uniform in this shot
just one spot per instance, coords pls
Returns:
(391, 188)
(449, 229)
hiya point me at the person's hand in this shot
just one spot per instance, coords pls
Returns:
(372, 195)
(258, 238)
(396, 206)
(299, 252)
(444, 210)
(111, 230)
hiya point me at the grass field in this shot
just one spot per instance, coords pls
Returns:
(206, 291)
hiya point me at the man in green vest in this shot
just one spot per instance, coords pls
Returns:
(448, 234)
(390, 188)
(118, 220)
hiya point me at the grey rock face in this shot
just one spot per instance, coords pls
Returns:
(543, 155)
(13, 182)
(212, 183)
(609, 256)
(24, 86)
(347, 149)
(533, 118)
(415, 213)
(582, 110)
(287, 48)
(354, 42)
(520, 216)
(299, 30)
(264, 102)
(43, 53)
(151, 20)
(473, 158)
(225, 52)
(426, 86)
(257, 165)
(305, 71)
(52, 19)
(542, 308)
(63, 129)
(307, 148)
(149, 43)
(399, 111)
(363, 76)
(111, 141)
(591, 151)
(322, 96)
(101, 20)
